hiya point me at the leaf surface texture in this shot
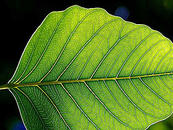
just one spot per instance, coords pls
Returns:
(118, 75)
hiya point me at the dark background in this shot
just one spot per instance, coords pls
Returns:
(20, 18)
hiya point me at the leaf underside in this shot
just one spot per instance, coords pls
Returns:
(118, 74)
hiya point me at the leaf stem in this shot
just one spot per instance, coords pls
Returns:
(7, 86)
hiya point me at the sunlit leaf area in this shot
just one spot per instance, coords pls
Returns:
(86, 68)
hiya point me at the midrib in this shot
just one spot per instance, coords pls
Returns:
(8, 86)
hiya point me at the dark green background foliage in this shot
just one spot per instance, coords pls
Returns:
(20, 18)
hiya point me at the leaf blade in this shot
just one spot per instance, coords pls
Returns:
(88, 54)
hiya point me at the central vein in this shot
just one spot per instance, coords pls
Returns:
(81, 80)
(10, 85)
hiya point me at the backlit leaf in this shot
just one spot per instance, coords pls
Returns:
(86, 69)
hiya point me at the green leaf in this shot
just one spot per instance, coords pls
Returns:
(86, 69)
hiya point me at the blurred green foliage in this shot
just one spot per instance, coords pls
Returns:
(163, 125)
